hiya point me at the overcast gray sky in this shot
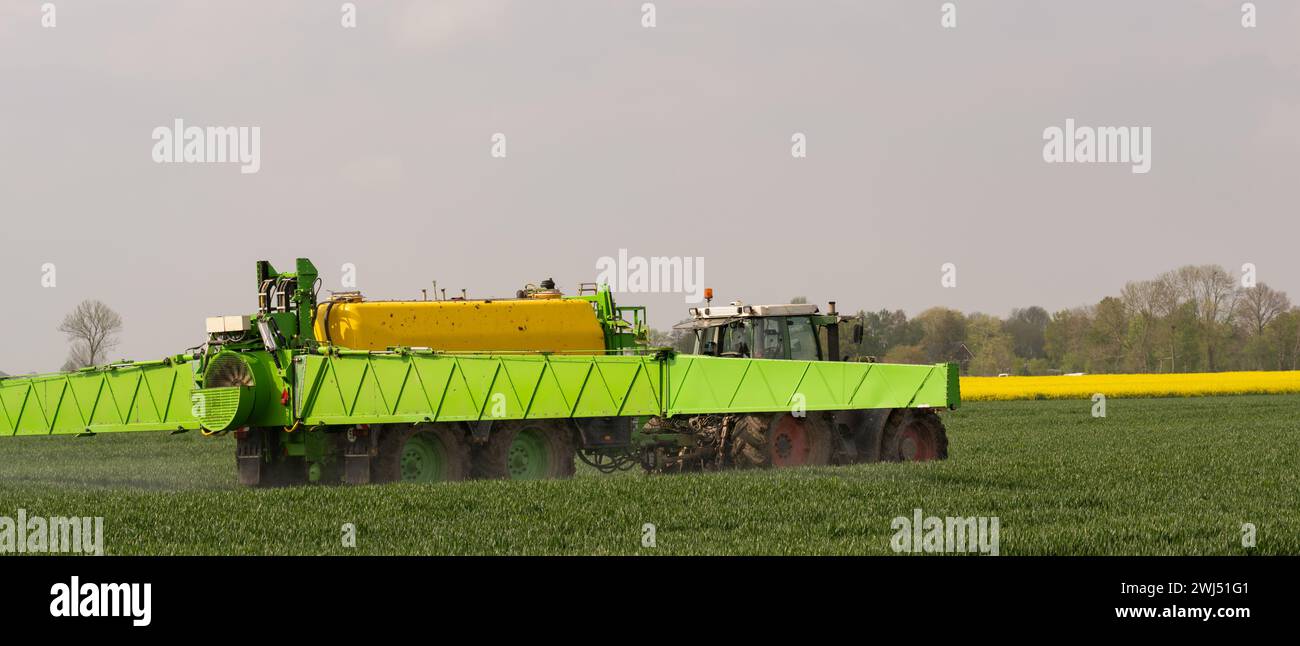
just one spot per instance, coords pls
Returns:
(924, 146)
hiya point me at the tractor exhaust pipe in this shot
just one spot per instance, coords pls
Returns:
(833, 336)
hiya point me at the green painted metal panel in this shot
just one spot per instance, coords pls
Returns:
(375, 388)
(701, 384)
(152, 396)
(379, 388)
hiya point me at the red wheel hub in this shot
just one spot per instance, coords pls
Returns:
(788, 444)
(916, 444)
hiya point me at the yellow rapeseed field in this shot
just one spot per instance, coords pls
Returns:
(1149, 385)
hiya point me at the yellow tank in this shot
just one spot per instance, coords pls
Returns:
(528, 324)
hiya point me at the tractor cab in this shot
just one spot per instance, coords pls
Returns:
(789, 331)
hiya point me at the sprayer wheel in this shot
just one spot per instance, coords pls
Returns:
(421, 453)
(526, 450)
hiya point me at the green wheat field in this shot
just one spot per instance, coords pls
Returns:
(1156, 476)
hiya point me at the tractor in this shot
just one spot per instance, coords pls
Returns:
(798, 437)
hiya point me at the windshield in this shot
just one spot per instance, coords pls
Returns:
(777, 337)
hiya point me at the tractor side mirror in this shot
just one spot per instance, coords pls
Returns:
(857, 333)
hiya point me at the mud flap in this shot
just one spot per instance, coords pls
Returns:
(356, 469)
(358, 453)
(248, 458)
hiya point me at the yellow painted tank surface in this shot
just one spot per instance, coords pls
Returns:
(507, 325)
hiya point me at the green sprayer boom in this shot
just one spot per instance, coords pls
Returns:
(522, 401)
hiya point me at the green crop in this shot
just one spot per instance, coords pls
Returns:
(1157, 476)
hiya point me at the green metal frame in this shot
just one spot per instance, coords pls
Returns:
(621, 333)
(295, 323)
(348, 388)
(143, 396)
(411, 387)
(701, 384)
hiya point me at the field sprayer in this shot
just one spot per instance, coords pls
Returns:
(378, 391)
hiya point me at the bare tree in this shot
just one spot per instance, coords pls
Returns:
(1213, 292)
(1210, 287)
(92, 330)
(1259, 305)
(1146, 302)
(1165, 299)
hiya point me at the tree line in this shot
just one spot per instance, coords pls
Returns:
(1197, 318)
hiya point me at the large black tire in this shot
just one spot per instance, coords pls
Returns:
(546, 450)
(913, 435)
(447, 439)
(780, 440)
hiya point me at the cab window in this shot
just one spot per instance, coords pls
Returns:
(803, 339)
(736, 339)
(771, 339)
(706, 341)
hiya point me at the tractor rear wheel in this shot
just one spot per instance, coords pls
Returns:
(780, 440)
(913, 435)
(421, 453)
(526, 450)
